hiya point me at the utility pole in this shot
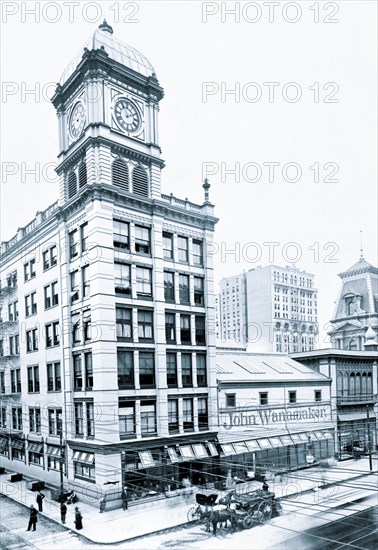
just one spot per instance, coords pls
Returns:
(61, 466)
(369, 444)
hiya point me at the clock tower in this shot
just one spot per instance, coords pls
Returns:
(107, 103)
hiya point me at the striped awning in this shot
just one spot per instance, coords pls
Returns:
(18, 443)
(52, 451)
(84, 458)
(35, 447)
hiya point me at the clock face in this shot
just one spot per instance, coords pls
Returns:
(77, 120)
(127, 115)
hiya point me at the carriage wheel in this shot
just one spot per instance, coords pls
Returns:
(247, 522)
(193, 514)
(264, 511)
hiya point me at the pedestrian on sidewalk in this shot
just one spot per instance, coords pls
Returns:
(265, 486)
(32, 518)
(102, 504)
(124, 499)
(63, 512)
(39, 499)
(78, 519)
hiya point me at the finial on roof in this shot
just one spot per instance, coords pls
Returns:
(361, 248)
(206, 187)
(106, 27)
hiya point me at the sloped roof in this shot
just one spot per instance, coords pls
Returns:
(361, 266)
(261, 367)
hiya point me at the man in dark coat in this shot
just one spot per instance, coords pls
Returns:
(63, 512)
(32, 518)
(40, 497)
(124, 499)
(78, 519)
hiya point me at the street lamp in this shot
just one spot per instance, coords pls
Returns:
(368, 434)
(61, 466)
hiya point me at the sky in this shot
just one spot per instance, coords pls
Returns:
(274, 102)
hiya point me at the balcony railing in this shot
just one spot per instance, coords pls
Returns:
(360, 398)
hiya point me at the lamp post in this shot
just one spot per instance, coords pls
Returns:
(368, 433)
(61, 466)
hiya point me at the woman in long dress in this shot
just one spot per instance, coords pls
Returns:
(78, 519)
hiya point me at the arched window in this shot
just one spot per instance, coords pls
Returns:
(352, 384)
(339, 384)
(72, 185)
(369, 383)
(364, 384)
(120, 174)
(82, 175)
(358, 384)
(345, 384)
(140, 181)
(352, 345)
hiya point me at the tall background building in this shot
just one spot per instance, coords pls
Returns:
(106, 296)
(272, 308)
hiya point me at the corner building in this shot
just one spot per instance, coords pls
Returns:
(106, 298)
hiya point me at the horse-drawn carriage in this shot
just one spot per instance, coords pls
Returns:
(241, 510)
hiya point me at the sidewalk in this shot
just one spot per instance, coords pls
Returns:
(118, 525)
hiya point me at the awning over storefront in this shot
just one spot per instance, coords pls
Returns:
(212, 448)
(18, 443)
(199, 450)
(52, 451)
(182, 453)
(84, 458)
(186, 452)
(35, 447)
(354, 416)
(146, 459)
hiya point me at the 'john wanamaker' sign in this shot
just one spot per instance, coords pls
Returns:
(274, 416)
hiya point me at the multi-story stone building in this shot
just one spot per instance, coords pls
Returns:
(356, 306)
(106, 297)
(272, 308)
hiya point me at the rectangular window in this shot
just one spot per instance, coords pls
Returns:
(13, 311)
(201, 369)
(17, 418)
(142, 240)
(88, 371)
(122, 279)
(15, 381)
(318, 395)
(200, 330)
(170, 328)
(145, 326)
(52, 334)
(85, 281)
(169, 286)
(12, 280)
(125, 365)
(2, 382)
(83, 237)
(197, 252)
(184, 289)
(203, 416)
(32, 340)
(1, 348)
(199, 294)
(29, 270)
(34, 420)
(78, 373)
(292, 396)
(55, 421)
(167, 246)
(171, 360)
(87, 333)
(14, 345)
(186, 369)
(183, 249)
(30, 304)
(146, 369)
(185, 331)
(126, 418)
(3, 419)
(90, 419)
(50, 257)
(121, 234)
(187, 412)
(230, 400)
(148, 417)
(54, 381)
(75, 327)
(84, 471)
(263, 398)
(123, 323)
(51, 295)
(33, 379)
(75, 287)
(79, 419)
(173, 419)
(73, 238)
(144, 282)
